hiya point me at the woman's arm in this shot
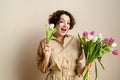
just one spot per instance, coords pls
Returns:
(43, 55)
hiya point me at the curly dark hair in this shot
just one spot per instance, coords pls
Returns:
(55, 17)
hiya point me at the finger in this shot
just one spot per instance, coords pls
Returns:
(47, 45)
(46, 48)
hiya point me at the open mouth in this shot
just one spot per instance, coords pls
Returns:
(63, 30)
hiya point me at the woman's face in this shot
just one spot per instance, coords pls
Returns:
(63, 25)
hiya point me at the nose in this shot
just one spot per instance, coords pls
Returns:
(65, 24)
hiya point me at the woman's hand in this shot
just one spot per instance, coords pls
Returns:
(47, 54)
(81, 70)
(47, 50)
(89, 65)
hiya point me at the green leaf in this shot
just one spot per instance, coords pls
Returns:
(96, 50)
(49, 33)
(99, 60)
(80, 38)
(85, 74)
(96, 71)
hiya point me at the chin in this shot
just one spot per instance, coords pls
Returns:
(63, 34)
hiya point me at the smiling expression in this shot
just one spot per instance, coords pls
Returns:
(63, 25)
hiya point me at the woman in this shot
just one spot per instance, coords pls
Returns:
(64, 52)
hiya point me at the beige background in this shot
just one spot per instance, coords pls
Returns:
(22, 26)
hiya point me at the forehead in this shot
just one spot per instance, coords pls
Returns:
(65, 17)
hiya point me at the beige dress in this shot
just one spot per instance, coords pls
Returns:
(64, 59)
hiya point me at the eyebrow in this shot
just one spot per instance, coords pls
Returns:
(63, 19)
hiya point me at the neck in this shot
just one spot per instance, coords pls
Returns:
(59, 37)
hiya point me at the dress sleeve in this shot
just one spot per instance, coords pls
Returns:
(79, 68)
(80, 56)
(40, 58)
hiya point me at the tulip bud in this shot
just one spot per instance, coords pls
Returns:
(95, 39)
(85, 34)
(115, 52)
(111, 40)
(114, 44)
(51, 26)
(90, 37)
(100, 36)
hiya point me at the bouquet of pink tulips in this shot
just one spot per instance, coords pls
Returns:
(94, 47)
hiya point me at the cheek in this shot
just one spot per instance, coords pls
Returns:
(69, 27)
(58, 28)
(61, 24)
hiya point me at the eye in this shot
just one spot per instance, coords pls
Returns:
(61, 21)
(68, 23)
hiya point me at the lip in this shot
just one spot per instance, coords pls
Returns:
(63, 30)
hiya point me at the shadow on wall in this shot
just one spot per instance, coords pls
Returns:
(26, 66)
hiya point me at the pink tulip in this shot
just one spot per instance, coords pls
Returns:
(92, 33)
(115, 52)
(105, 40)
(111, 40)
(85, 34)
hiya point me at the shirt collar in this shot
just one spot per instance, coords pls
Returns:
(54, 38)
